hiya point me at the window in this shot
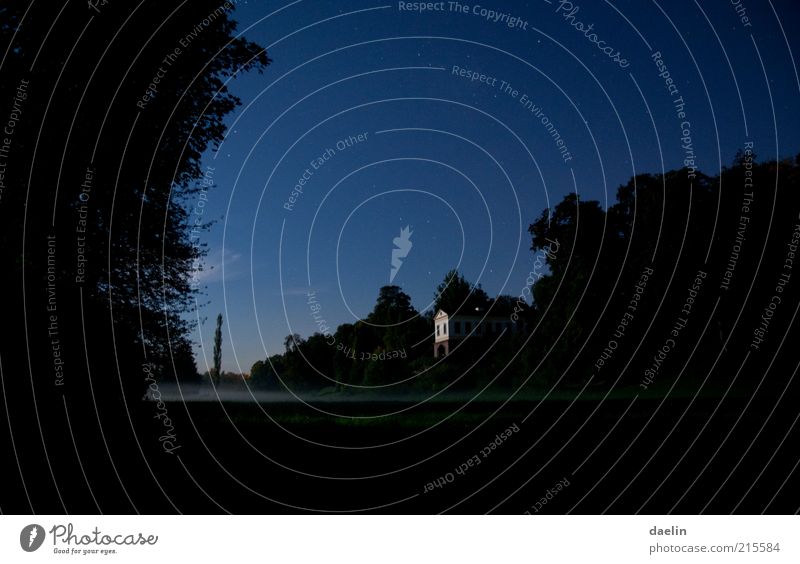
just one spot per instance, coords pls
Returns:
(457, 327)
(444, 328)
(498, 326)
(437, 330)
(467, 326)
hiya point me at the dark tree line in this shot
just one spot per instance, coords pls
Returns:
(113, 108)
(109, 179)
(391, 345)
(680, 276)
(704, 256)
(376, 350)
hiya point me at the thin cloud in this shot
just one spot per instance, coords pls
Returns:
(210, 268)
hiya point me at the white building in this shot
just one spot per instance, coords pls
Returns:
(449, 330)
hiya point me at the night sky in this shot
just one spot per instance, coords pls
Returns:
(374, 108)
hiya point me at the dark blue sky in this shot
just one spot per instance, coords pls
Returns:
(465, 163)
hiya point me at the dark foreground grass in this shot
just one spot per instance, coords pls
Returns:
(620, 455)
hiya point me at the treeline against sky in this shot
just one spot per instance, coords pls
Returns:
(679, 282)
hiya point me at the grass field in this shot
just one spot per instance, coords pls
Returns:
(622, 454)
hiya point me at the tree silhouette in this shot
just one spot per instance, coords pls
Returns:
(127, 173)
(217, 351)
(99, 242)
(674, 227)
(456, 295)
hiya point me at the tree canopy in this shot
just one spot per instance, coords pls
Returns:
(115, 109)
(107, 165)
(667, 241)
(456, 295)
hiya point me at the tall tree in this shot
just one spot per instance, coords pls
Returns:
(392, 306)
(217, 350)
(115, 108)
(114, 161)
(455, 295)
